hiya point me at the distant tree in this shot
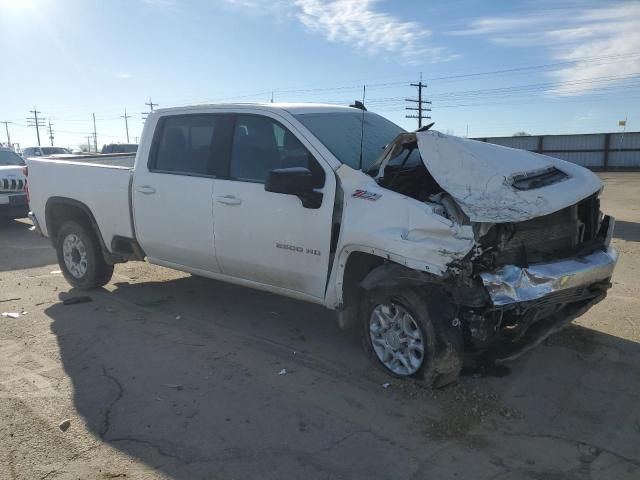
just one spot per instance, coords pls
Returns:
(521, 134)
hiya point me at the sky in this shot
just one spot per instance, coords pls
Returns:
(492, 68)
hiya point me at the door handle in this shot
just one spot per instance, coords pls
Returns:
(146, 189)
(229, 200)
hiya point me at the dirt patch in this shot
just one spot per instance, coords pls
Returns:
(464, 406)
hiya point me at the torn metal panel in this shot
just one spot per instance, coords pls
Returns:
(512, 284)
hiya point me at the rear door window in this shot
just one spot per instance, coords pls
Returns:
(186, 145)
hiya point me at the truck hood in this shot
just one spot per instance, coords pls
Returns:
(497, 184)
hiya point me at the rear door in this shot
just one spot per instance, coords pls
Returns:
(266, 237)
(172, 193)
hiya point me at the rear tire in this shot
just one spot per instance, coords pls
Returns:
(421, 338)
(80, 257)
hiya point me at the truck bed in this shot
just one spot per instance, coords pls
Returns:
(113, 159)
(103, 188)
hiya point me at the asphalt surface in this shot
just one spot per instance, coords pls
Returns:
(164, 375)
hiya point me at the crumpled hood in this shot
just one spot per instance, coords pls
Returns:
(479, 176)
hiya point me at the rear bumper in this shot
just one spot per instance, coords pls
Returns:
(16, 206)
(512, 284)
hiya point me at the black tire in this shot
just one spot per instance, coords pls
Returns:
(435, 317)
(98, 271)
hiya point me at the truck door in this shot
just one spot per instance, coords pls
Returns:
(172, 193)
(266, 237)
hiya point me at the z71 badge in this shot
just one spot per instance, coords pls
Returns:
(366, 195)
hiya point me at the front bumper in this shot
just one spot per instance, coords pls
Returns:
(512, 284)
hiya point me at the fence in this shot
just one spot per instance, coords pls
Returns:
(597, 151)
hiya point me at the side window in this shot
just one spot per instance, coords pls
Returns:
(261, 144)
(185, 145)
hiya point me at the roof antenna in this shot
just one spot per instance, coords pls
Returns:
(364, 109)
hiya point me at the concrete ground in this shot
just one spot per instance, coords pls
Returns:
(167, 376)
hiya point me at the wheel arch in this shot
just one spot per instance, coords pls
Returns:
(59, 210)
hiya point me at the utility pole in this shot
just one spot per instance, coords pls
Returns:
(95, 134)
(35, 122)
(421, 108)
(126, 122)
(150, 104)
(50, 133)
(89, 143)
(6, 127)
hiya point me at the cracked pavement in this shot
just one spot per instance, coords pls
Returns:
(168, 376)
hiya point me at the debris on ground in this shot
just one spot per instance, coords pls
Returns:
(386, 385)
(10, 314)
(464, 406)
(64, 425)
(55, 272)
(282, 372)
(76, 300)
(178, 317)
(171, 385)
(10, 299)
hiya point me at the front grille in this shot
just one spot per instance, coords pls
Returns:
(12, 185)
(546, 238)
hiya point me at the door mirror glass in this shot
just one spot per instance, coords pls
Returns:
(296, 181)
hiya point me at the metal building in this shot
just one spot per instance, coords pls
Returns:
(597, 151)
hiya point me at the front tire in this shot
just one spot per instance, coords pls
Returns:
(413, 332)
(80, 257)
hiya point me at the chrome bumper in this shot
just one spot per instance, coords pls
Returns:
(512, 284)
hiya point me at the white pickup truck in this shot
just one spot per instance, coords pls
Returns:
(440, 248)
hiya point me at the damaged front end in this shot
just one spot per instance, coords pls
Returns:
(542, 254)
(526, 301)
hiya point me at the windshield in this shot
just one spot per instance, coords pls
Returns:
(8, 157)
(340, 132)
(55, 151)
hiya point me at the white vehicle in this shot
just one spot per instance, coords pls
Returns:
(436, 245)
(13, 184)
(44, 151)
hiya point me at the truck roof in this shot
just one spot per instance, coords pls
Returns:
(292, 108)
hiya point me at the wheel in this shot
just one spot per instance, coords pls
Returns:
(410, 332)
(80, 257)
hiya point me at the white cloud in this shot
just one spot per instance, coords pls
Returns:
(608, 36)
(124, 75)
(357, 23)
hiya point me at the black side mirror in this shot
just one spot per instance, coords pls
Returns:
(296, 181)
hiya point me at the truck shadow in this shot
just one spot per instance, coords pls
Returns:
(21, 248)
(185, 376)
(629, 231)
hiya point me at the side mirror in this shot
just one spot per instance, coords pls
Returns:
(296, 181)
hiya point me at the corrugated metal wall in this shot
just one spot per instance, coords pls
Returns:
(598, 151)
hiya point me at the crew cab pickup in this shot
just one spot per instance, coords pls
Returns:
(441, 249)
